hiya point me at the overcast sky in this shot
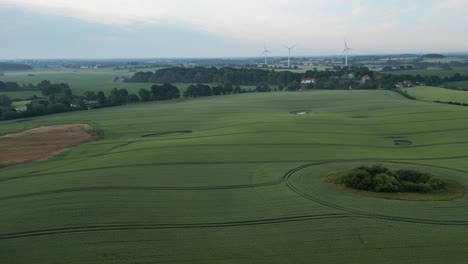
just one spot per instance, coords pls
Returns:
(228, 28)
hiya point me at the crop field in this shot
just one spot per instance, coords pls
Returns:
(431, 94)
(238, 179)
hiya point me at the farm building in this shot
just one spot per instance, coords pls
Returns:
(307, 81)
(365, 78)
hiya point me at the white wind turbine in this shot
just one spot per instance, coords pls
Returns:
(265, 52)
(346, 50)
(289, 53)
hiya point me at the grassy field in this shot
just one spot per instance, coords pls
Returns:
(20, 105)
(245, 186)
(21, 95)
(431, 94)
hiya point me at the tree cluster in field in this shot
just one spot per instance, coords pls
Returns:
(378, 178)
(336, 78)
(199, 90)
(58, 98)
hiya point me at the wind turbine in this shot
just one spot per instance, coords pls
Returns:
(265, 52)
(346, 50)
(289, 53)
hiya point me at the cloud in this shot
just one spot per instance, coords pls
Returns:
(221, 16)
(318, 26)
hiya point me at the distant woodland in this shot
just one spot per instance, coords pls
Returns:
(5, 66)
(336, 78)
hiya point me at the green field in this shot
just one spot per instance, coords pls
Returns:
(246, 186)
(431, 94)
(20, 105)
(21, 95)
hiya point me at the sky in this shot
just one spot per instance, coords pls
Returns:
(50, 29)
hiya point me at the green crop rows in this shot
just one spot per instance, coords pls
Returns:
(239, 179)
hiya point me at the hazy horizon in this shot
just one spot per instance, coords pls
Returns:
(104, 29)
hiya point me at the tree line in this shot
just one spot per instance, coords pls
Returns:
(233, 76)
(336, 78)
(59, 98)
(6, 66)
(13, 87)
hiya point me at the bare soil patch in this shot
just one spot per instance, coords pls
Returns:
(42, 143)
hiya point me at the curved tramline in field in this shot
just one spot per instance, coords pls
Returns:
(239, 178)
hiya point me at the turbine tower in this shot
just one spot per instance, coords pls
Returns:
(346, 50)
(265, 52)
(289, 53)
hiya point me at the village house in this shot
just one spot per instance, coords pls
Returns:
(404, 84)
(365, 79)
(307, 81)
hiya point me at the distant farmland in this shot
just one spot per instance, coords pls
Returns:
(239, 179)
(432, 72)
(431, 94)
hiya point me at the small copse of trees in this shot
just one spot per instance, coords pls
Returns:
(378, 178)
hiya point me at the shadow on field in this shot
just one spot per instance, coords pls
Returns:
(403, 142)
(158, 134)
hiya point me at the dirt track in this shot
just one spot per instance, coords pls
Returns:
(42, 143)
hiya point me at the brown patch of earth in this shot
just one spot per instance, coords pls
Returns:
(42, 143)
